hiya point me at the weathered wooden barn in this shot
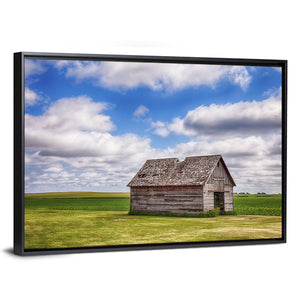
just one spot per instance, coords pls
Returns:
(197, 184)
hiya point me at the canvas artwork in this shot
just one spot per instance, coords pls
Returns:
(144, 153)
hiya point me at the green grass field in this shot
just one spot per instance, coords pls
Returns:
(78, 219)
(267, 205)
(79, 201)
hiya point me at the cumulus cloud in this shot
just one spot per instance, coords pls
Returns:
(71, 147)
(103, 165)
(231, 119)
(31, 97)
(249, 160)
(68, 114)
(232, 147)
(160, 128)
(157, 76)
(141, 111)
(33, 67)
(54, 168)
(74, 130)
(162, 131)
(240, 76)
(252, 168)
(68, 127)
(73, 137)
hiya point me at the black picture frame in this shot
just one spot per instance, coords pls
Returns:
(19, 147)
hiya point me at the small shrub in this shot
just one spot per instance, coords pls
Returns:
(214, 212)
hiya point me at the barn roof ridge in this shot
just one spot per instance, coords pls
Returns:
(167, 158)
(198, 156)
(186, 158)
(173, 172)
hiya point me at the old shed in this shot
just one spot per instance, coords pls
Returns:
(197, 184)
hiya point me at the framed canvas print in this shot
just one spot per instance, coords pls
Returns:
(115, 152)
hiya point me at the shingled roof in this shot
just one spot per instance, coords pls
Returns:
(194, 170)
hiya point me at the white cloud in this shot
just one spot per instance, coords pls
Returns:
(55, 168)
(240, 76)
(141, 111)
(33, 67)
(74, 134)
(31, 97)
(69, 127)
(103, 165)
(62, 63)
(157, 76)
(249, 160)
(231, 147)
(162, 131)
(70, 147)
(160, 128)
(231, 119)
(69, 114)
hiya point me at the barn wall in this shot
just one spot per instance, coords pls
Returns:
(176, 199)
(208, 195)
(228, 198)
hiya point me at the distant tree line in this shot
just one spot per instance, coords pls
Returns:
(247, 193)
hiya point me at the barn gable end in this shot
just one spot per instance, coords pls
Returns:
(220, 172)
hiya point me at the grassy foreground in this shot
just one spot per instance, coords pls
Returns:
(75, 228)
(80, 219)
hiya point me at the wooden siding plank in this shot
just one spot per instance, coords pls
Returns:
(170, 199)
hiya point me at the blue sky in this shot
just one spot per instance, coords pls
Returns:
(91, 125)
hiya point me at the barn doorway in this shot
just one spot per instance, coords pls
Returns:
(219, 200)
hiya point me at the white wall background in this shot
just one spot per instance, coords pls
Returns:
(240, 29)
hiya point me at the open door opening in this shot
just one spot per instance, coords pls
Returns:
(219, 200)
